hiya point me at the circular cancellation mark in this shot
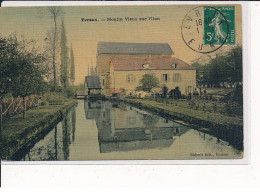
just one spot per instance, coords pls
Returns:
(204, 29)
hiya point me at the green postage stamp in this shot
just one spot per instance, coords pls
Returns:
(205, 29)
(214, 30)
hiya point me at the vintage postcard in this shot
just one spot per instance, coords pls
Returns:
(150, 82)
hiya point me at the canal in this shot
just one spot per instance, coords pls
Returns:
(103, 130)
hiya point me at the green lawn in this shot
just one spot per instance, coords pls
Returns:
(204, 105)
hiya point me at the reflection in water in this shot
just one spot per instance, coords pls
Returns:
(66, 137)
(106, 130)
(73, 119)
(124, 128)
(92, 109)
(56, 144)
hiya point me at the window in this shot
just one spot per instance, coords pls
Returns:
(165, 77)
(146, 65)
(176, 77)
(174, 65)
(130, 78)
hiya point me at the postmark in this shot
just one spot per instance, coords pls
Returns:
(205, 29)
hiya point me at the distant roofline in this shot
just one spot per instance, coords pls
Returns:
(133, 42)
(91, 76)
(135, 54)
(158, 57)
(170, 52)
(188, 68)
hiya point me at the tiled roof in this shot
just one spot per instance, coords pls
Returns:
(157, 63)
(93, 82)
(133, 48)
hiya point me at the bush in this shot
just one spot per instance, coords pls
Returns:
(70, 92)
(54, 98)
(148, 82)
(175, 93)
(233, 108)
(164, 91)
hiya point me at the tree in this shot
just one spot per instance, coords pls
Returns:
(28, 77)
(64, 53)
(72, 66)
(224, 68)
(176, 93)
(8, 56)
(198, 68)
(164, 91)
(234, 61)
(148, 82)
(22, 70)
(8, 53)
(53, 40)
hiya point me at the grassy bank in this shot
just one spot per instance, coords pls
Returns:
(19, 133)
(219, 125)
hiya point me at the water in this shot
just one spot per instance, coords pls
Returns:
(103, 130)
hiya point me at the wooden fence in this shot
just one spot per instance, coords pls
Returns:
(12, 106)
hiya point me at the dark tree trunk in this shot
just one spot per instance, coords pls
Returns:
(24, 107)
(54, 54)
(1, 118)
(55, 143)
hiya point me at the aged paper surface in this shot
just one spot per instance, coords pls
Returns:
(121, 82)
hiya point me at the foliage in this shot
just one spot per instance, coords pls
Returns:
(72, 66)
(28, 79)
(233, 108)
(79, 87)
(238, 95)
(22, 73)
(52, 41)
(224, 68)
(175, 93)
(70, 92)
(164, 91)
(54, 98)
(148, 82)
(64, 77)
(8, 51)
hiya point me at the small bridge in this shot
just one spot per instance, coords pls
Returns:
(81, 95)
